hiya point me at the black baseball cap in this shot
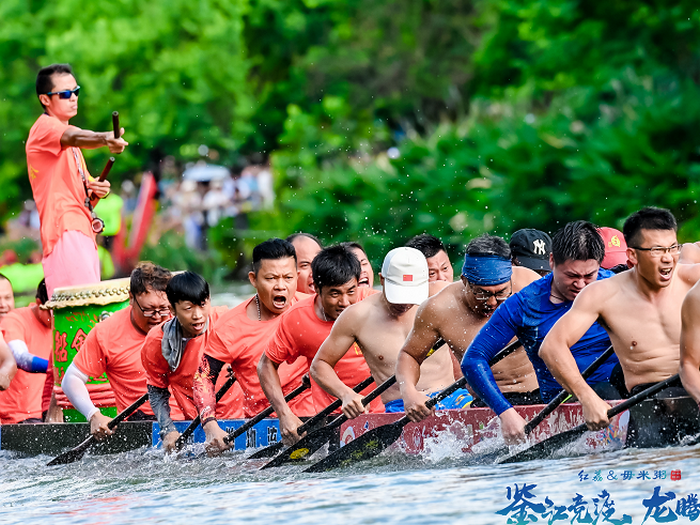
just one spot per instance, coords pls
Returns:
(532, 248)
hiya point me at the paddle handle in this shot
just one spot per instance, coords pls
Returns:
(305, 384)
(195, 422)
(332, 407)
(77, 452)
(133, 407)
(374, 394)
(630, 402)
(115, 124)
(563, 395)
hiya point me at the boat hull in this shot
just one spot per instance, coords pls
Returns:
(473, 425)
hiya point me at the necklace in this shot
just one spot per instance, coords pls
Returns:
(323, 311)
(257, 304)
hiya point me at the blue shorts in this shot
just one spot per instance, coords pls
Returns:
(458, 399)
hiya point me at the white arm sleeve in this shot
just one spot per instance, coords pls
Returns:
(21, 353)
(73, 385)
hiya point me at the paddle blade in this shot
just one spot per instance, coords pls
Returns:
(545, 448)
(303, 448)
(72, 455)
(366, 446)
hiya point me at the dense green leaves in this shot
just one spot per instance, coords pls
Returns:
(505, 113)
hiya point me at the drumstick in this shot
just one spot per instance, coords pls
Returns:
(110, 162)
(115, 124)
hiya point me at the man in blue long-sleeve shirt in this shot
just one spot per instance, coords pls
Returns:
(577, 250)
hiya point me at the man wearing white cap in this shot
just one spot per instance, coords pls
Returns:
(379, 325)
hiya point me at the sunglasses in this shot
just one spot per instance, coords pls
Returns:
(67, 93)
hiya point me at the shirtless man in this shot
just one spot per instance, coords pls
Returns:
(307, 247)
(458, 312)
(640, 309)
(439, 265)
(577, 250)
(380, 325)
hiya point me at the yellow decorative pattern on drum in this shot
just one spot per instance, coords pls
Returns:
(77, 309)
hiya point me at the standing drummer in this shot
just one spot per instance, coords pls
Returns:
(61, 183)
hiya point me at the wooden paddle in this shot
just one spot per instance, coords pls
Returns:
(78, 452)
(272, 450)
(195, 422)
(545, 448)
(305, 384)
(312, 442)
(378, 439)
(560, 398)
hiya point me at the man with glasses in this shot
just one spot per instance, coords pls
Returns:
(113, 347)
(63, 189)
(577, 250)
(457, 313)
(641, 311)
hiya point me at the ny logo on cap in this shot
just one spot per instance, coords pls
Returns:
(538, 247)
(407, 278)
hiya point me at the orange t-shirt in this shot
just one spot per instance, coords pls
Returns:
(113, 347)
(23, 399)
(240, 341)
(158, 371)
(58, 189)
(301, 333)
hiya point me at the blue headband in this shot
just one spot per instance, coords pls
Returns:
(487, 270)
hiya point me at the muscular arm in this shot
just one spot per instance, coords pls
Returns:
(556, 353)
(690, 343)
(331, 351)
(86, 139)
(414, 351)
(270, 383)
(8, 368)
(25, 360)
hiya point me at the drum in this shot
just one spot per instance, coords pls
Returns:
(76, 310)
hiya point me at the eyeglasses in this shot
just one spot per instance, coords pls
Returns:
(483, 296)
(67, 93)
(160, 312)
(658, 251)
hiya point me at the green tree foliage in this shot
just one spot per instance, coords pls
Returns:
(505, 113)
(175, 70)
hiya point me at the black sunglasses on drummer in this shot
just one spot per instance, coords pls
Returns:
(67, 93)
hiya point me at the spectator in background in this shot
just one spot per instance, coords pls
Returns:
(307, 247)
(531, 248)
(615, 258)
(439, 265)
(7, 297)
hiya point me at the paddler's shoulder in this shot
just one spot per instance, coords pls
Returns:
(523, 276)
